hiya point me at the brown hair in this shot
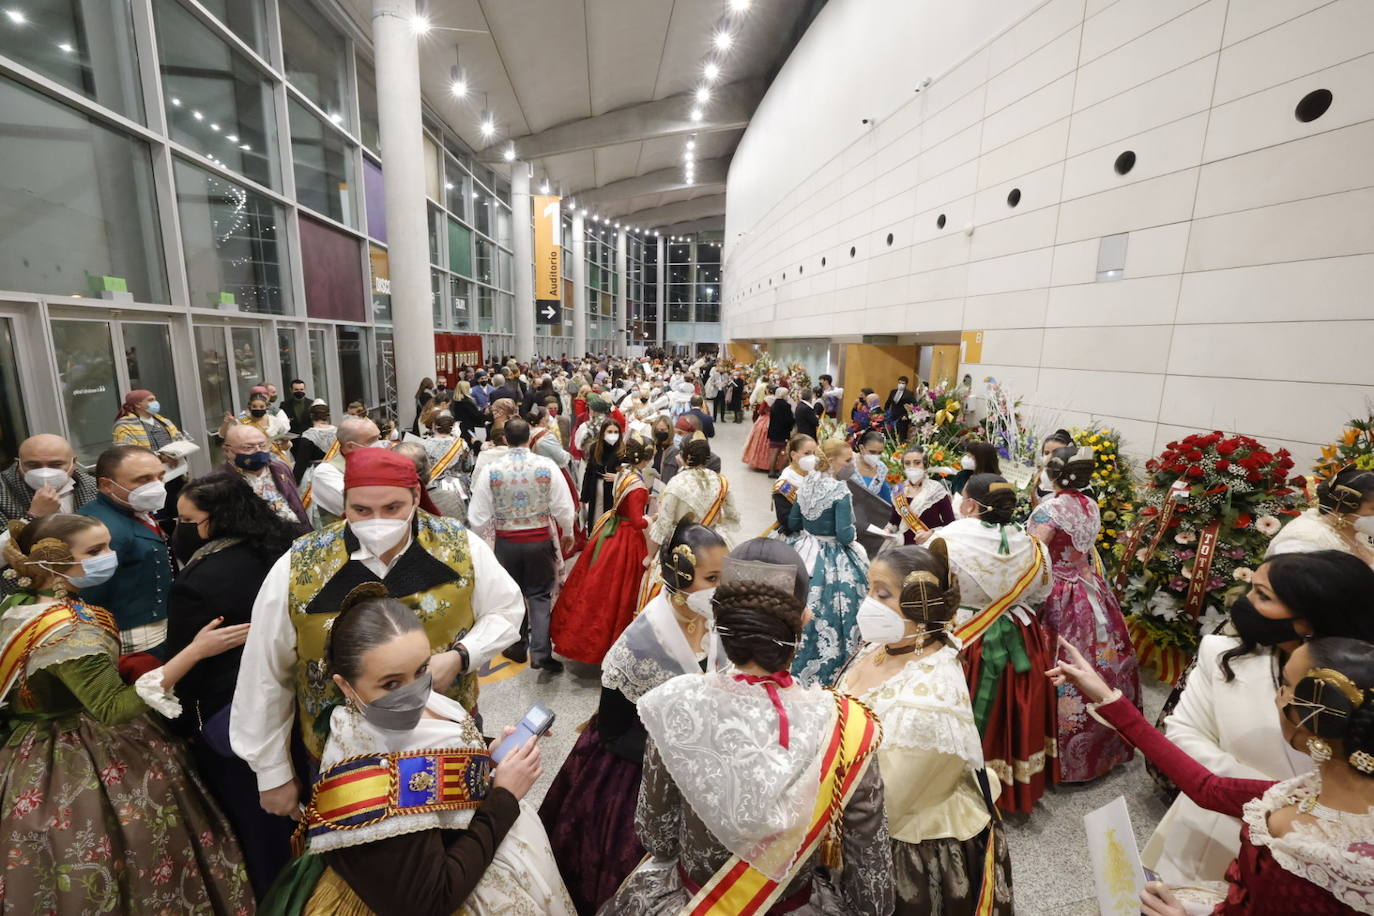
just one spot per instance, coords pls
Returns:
(930, 592)
(759, 624)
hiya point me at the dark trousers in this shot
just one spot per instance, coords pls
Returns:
(718, 407)
(533, 565)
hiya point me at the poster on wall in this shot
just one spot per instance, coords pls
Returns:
(548, 259)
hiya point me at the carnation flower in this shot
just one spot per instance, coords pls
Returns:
(1268, 525)
(1185, 537)
(1243, 574)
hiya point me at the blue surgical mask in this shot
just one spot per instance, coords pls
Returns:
(154, 407)
(253, 461)
(97, 569)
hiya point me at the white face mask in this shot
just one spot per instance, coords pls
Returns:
(901, 385)
(915, 475)
(967, 463)
(39, 478)
(1046, 482)
(807, 463)
(378, 535)
(1365, 524)
(879, 623)
(380, 443)
(700, 603)
(611, 438)
(872, 461)
(148, 498)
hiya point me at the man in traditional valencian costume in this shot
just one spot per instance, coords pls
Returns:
(470, 607)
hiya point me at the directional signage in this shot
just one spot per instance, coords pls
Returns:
(548, 259)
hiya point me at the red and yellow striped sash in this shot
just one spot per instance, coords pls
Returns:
(306, 497)
(439, 467)
(979, 623)
(51, 625)
(623, 487)
(739, 888)
(787, 490)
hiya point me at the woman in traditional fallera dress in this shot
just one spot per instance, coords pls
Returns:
(1305, 841)
(1343, 519)
(600, 596)
(838, 566)
(407, 817)
(801, 461)
(921, 503)
(948, 854)
(1084, 610)
(757, 454)
(1216, 720)
(734, 806)
(589, 810)
(103, 809)
(1003, 576)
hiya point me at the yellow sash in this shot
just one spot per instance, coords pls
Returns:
(739, 889)
(447, 458)
(903, 507)
(979, 623)
(328, 457)
(789, 492)
(709, 518)
(627, 482)
(50, 626)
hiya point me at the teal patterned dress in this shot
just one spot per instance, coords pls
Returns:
(839, 579)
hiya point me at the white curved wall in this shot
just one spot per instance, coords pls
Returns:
(1245, 303)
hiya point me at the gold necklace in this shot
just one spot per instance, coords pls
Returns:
(690, 623)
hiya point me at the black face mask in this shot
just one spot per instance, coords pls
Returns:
(298, 394)
(1252, 626)
(186, 540)
(258, 412)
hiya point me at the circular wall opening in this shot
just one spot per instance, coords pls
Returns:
(852, 249)
(1125, 162)
(1014, 197)
(889, 238)
(1313, 105)
(940, 221)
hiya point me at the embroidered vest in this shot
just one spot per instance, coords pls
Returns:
(434, 577)
(520, 489)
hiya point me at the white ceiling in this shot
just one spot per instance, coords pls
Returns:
(546, 63)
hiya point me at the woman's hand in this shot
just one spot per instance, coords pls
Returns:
(213, 640)
(519, 770)
(1158, 900)
(609, 477)
(1073, 667)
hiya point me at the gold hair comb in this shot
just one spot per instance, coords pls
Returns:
(1330, 677)
(999, 485)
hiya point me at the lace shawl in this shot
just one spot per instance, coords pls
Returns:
(350, 735)
(1337, 856)
(76, 639)
(718, 739)
(322, 437)
(926, 706)
(931, 492)
(649, 652)
(985, 573)
(819, 492)
(1074, 514)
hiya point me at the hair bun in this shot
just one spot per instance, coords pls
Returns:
(364, 592)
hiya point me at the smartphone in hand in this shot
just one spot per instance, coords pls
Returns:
(536, 722)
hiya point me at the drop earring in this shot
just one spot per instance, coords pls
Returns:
(1318, 750)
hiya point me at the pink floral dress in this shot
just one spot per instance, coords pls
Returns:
(1083, 610)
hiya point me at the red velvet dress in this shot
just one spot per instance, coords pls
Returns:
(1257, 884)
(756, 452)
(600, 597)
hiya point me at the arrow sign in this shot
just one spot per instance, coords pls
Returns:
(548, 312)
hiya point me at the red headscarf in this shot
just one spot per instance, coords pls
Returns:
(378, 467)
(135, 397)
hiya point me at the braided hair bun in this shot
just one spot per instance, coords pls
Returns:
(368, 617)
(1335, 698)
(1345, 492)
(930, 592)
(759, 624)
(995, 495)
(677, 558)
(1071, 467)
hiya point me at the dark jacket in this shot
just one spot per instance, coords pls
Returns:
(805, 420)
(16, 496)
(708, 425)
(669, 468)
(906, 398)
(780, 421)
(509, 390)
(137, 593)
(297, 410)
(286, 486)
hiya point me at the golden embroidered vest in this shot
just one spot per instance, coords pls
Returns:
(433, 577)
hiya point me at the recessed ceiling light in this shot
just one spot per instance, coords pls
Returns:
(336, 118)
(17, 16)
(419, 25)
(66, 47)
(448, 186)
(711, 70)
(723, 40)
(696, 114)
(739, 6)
(703, 95)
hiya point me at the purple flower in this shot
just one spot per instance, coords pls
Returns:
(1186, 554)
(1178, 583)
(1237, 554)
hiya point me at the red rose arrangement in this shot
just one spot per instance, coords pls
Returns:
(1211, 504)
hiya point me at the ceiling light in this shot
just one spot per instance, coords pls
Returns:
(176, 102)
(696, 114)
(65, 47)
(739, 6)
(246, 148)
(544, 188)
(584, 211)
(17, 16)
(448, 186)
(232, 138)
(459, 81)
(474, 195)
(712, 70)
(691, 145)
(723, 40)
(419, 25)
(336, 118)
(198, 116)
(703, 95)
(488, 123)
(215, 128)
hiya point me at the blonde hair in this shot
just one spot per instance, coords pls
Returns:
(830, 450)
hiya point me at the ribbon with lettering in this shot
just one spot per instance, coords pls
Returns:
(1202, 567)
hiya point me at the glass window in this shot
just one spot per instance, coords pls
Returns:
(679, 254)
(89, 384)
(708, 253)
(213, 372)
(709, 311)
(13, 426)
(217, 102)
(332, 268)
(486, 309)
(505, 311)
(77, 201)
(374, 194)
(503, 270)
(460, 248)
(484, 258)
(381, 283)
(245, 18)
(436, 297)
(432, 170)
(459, 292)
(370, 131)
(353, 372)
(231, 236)
(435, 234)
(481, 212)
(319, 362)
(148, 357)
(248, 368)
(87, 47)
(324, 166)
(286, 352)
(455, 188)
(386, 372)
(502, 225)
(316, 58)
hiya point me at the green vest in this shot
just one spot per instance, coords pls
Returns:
(322, 575)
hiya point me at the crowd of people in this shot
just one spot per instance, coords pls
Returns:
(258, 688)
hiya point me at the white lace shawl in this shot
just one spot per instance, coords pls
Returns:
(650, 651)
(790, 475)
(1077, 517)
(930, 493)
(1337, 856)
(718, 739)
(984, 573)
(926, 706)
(819, 492)
(322, 437)
(350, 735)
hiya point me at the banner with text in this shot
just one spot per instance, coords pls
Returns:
(548, 259)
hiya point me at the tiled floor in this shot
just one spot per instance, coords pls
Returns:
(1048, 847)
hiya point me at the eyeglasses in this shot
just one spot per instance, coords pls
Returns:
(248, 448)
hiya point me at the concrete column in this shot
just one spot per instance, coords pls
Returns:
(662, 288)
(403, 174)
(579, 279)
(622, 299)
(523, 246)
